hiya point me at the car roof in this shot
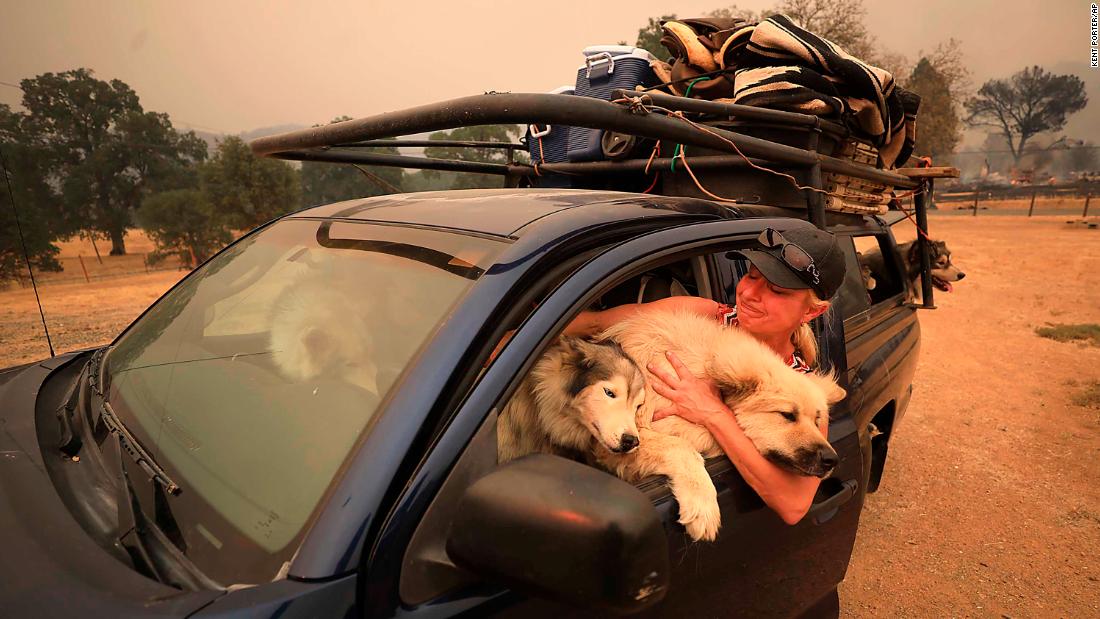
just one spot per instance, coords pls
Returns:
(504, 212)
(513, 213)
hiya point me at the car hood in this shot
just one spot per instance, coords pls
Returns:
(51, 566)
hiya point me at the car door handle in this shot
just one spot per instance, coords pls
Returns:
(824, 511)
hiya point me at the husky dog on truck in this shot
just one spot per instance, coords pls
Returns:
(779, 408)
(944, 272)
(580, 398)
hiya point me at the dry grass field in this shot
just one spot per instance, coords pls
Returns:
(989, 506)
(78, 257)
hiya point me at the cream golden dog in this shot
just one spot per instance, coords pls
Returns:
(779, 409)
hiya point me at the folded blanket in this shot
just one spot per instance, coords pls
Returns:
(778, 65)
(875, 107)
(792, 88)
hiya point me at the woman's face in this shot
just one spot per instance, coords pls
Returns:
(764, 308)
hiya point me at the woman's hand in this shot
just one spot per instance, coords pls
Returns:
(693, 399)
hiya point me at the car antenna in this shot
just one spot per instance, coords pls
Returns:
(26, 254)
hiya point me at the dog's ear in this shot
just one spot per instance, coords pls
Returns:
(577, 362)
(579, 352)
(735, 391)
(914, 253)
(833, 392)
(583, 349)
(570, 343)
(574, 349)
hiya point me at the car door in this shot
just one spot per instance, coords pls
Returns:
(759, 566)
(881, 346)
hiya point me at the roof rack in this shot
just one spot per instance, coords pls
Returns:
(628, 113)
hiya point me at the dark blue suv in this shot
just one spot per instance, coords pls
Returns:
(195, 467)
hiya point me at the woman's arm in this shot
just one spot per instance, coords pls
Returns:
(697, 401)
(591, 323)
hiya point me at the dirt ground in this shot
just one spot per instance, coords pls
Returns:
(990, 501)
(1042, 206)
(989, 505)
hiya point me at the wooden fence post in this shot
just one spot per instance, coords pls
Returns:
(1032, 207)
(83, 268)
(96, 248)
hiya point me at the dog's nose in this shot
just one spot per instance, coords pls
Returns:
(961, 275)
(828, 458)
(627, 442)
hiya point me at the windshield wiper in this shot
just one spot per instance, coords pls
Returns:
(152, 549)
(126, 440)
(130, 445)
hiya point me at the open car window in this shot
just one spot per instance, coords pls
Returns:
(427, 571)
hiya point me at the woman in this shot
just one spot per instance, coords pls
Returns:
(790, 281)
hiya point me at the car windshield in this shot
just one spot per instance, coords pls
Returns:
(252, 379)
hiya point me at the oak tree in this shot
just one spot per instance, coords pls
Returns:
(1031, 102)
(105, 152)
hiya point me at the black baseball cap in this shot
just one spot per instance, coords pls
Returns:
(787, 268)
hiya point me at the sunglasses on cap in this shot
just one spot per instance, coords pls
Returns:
(792, 255)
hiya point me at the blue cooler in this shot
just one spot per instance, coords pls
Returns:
(607, 67)
(555, 138)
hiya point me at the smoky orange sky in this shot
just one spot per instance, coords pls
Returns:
(235, 66)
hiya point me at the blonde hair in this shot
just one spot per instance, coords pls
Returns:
(805, 343)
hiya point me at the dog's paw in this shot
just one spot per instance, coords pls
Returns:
(700, 514)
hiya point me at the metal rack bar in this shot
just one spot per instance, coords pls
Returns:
(921, 204)
(734, 110)
(397, 161)
(549, 109)
(429, 143)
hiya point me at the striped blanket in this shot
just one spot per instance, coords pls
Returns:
(782, 66)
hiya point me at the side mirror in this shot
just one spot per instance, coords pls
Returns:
(562, 530)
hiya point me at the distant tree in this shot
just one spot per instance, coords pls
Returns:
(430, 180)
(1030, 102)
(183, 223)
(840, 21)
(105, 152)
(939, 130)
(734, 11)
(948, 60)
(649, 37)
(481, 133)
(323, 183)
(37, 203)
(246, 190)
